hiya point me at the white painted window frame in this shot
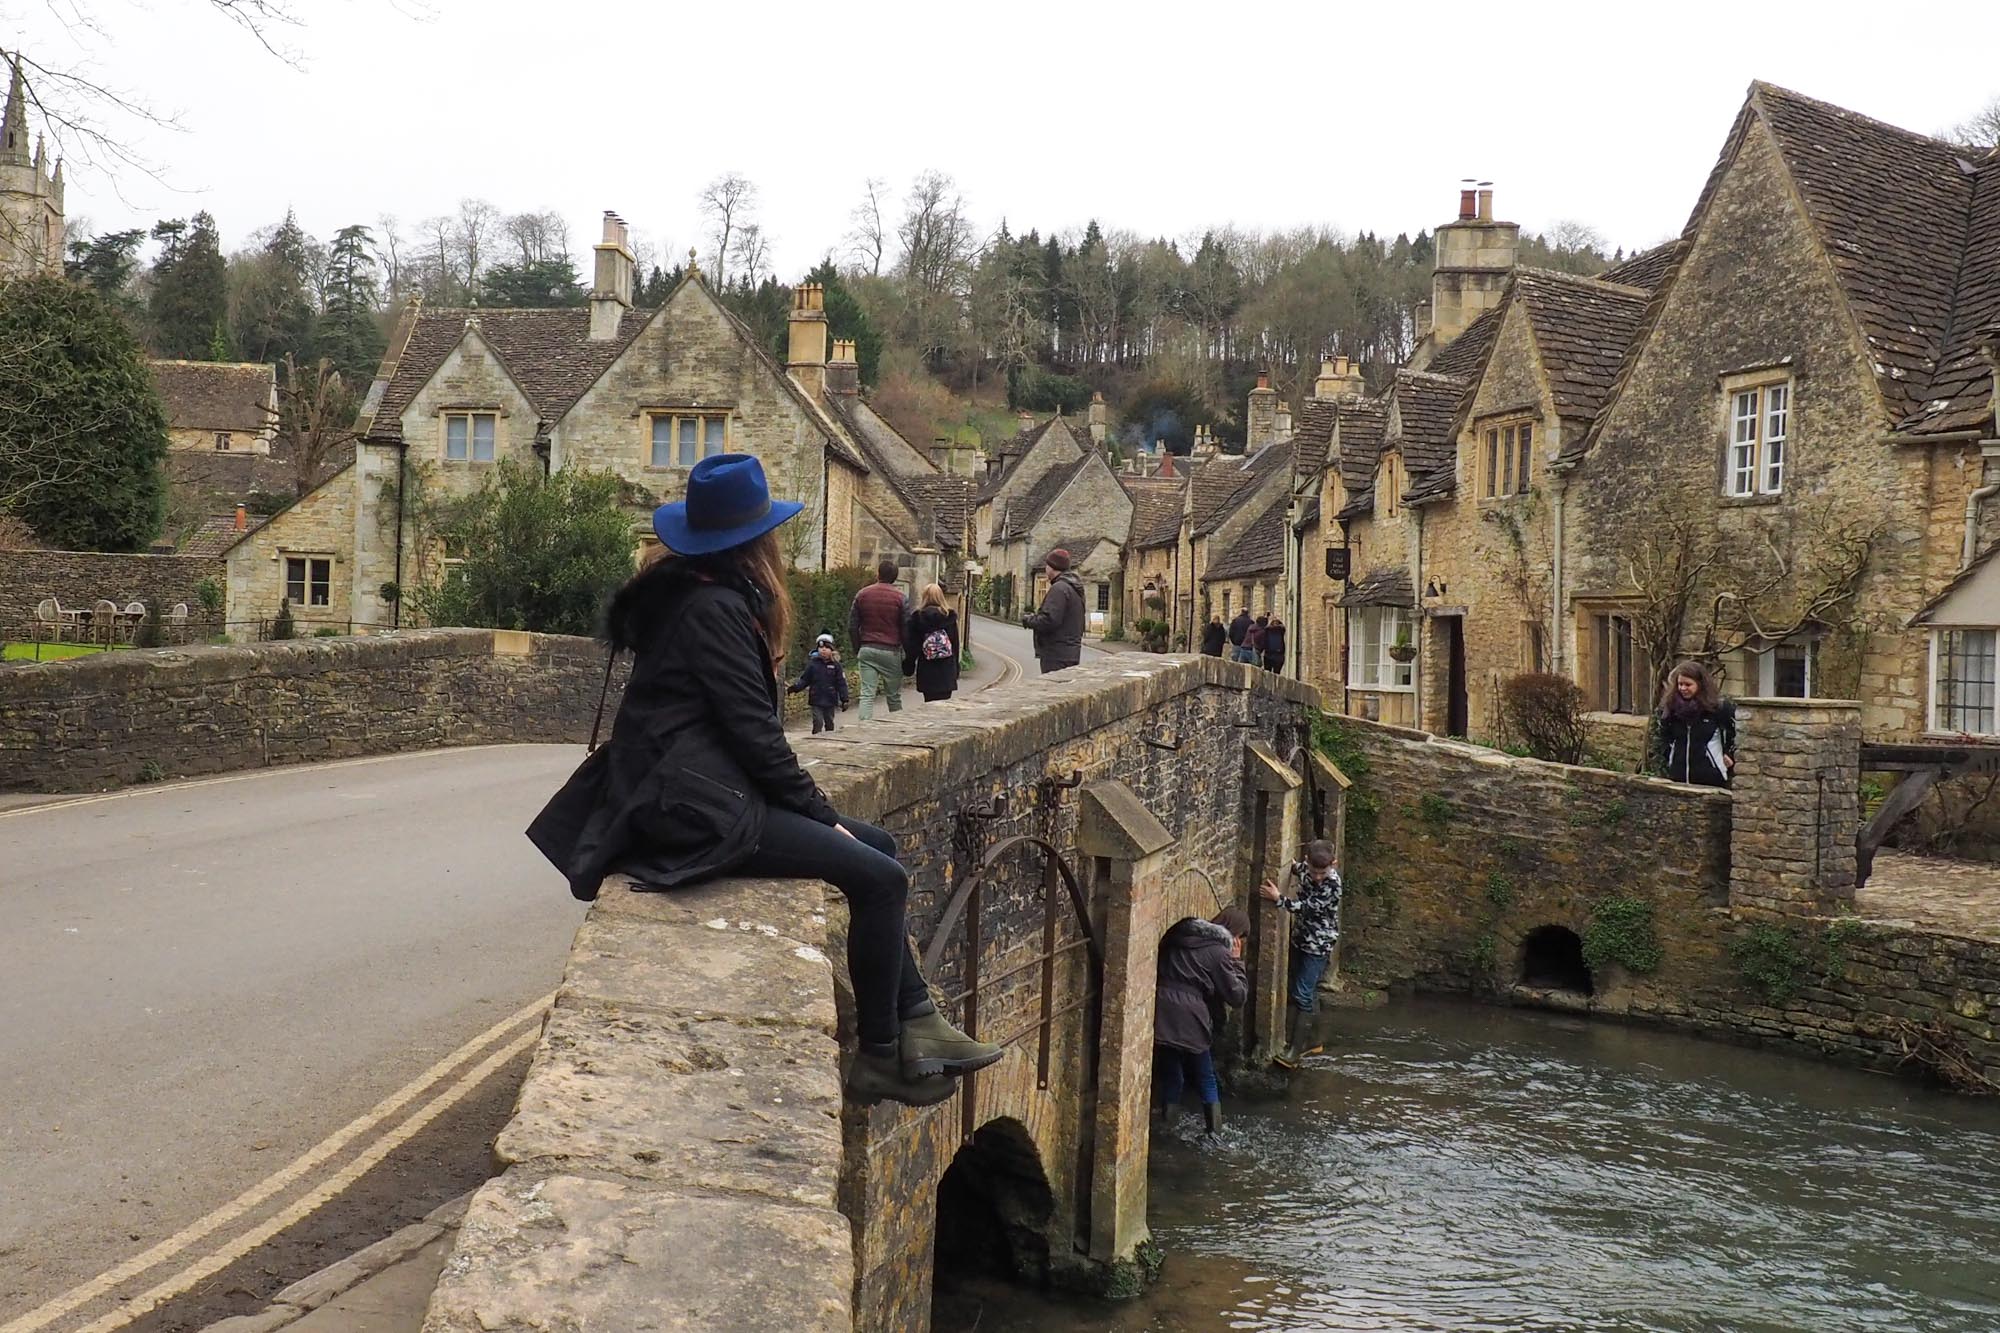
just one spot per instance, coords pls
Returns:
(1757, 434)
(1366, 657)
(1935, 657)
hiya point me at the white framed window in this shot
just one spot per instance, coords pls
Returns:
(1784, 670)
(682, 439)
(1760, 427)
(309, 580)
(1372, 632)
(1962, 681)
(468, 436)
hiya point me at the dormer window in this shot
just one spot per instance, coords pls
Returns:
(1501, 462)
(1759, 429)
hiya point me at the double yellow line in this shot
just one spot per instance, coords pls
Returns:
(528, 1018)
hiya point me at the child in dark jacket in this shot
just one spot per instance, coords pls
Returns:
(825, 684)
(1201, 972)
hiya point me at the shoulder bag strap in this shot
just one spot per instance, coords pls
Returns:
(602, 694)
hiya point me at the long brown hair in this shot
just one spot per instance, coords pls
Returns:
(1706, 692)
(762, 562)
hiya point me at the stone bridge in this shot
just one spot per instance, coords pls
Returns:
(681, 1147)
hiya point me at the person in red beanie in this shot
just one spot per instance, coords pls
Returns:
(1058, 625)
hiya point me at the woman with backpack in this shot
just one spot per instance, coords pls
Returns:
(698, 780)
(930, 645)
(1696, 728)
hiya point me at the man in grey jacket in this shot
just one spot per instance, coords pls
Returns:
(1058, 626)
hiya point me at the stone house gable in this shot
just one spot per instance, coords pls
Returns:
(1791, 275)
(318, 531)
(1020, 464)
(1081, 507)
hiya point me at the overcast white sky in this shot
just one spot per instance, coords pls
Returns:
(1163, 118)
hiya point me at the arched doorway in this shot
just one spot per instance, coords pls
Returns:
(994, 1207)
(1552, 959)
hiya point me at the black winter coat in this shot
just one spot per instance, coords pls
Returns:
(1239, 629)
(936, 677)
(697, 753)
(1197, 977)
(1212, 637)
(824, 682)
(1274, 646)
(1058, 625)
(1691, 750)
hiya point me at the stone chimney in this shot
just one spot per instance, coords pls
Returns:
(1204, 443)
(1024, 421)
(1284, 420)
(1423, 314)
(1096, 417)
(1339, 378)
(843, 372)
(611, 292)
(1261, 422)
(805, 361)
(1475, 255)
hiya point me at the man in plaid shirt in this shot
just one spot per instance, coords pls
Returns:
(1315, 909)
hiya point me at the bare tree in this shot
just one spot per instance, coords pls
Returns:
(314, 419)
(752, 250)
(389, 247)
(727, 202)
(437, 271)
(870, 236)
(1980, 130)
(474, 232)
(538, 237)
(936, 263)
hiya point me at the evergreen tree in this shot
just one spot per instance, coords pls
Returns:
(845, 318)
(349, 337)
(534, 284)
(272, 311)
(189, 292)
(84, 435)
(105, 262)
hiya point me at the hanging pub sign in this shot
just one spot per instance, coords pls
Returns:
(1336, 563)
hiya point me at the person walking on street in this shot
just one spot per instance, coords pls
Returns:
(698, 780)
(930, 649)
(1274, 644)
(1315, 909)
(824, 682)
(1239, 634)
(1058, 625)
(1213, 636)
(1253, 639)
(1696, 727)
(875, 626)
(1200, 974)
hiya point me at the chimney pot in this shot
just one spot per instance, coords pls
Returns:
(1263, 379)
(242, 518)
(1466, 205)
(1486, 205)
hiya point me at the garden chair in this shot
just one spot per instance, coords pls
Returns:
(177, 622)
(48, 621)
(104, 621)
(129, 621)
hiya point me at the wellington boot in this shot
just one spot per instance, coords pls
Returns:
(1212, 1112)
(876, 1078)
(930, 1045)
(1308, 1041)
(1289, 1057)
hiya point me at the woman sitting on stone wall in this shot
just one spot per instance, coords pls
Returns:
(698, 779)
(1696, 728)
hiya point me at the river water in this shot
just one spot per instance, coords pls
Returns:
(1465, 1167)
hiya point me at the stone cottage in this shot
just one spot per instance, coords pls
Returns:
(642, 394)
(1079, 506)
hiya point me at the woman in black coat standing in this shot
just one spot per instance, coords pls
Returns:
(931, 644)
(698, 780)
(1696, 728)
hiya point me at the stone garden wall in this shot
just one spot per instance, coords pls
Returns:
(78, 579)
(102, 721)
(1727, 914)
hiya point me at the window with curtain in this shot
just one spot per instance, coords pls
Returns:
(1371, 634)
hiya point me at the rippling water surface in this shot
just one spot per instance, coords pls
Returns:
(1461, 1167)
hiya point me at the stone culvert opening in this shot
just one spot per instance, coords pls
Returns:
(993, 1211)
(1552, 959)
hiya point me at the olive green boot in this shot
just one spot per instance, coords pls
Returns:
(930, 1045)
(878, 1076)
(1307, 1040)
(1294, 1033)
(1212, 1112)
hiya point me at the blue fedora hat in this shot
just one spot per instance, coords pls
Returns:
(727, 504)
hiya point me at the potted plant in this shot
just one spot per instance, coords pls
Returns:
(1402, 649)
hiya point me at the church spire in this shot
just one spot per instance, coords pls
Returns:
(14, 137)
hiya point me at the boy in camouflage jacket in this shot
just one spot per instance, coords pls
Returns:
(1315, 909)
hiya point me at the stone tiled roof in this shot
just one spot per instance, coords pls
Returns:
(945, 505)
(1427, 412)
(1156, 517)
(1363, 425)
(1026, 511)
(1647, 269)
(215, 395)
(1258, 549)
(1464, 355)
(1224, 483)
(1387, 585)
(1910, 225)
(217, 533)
(1583, 329)
(547, 353)
(1010, 453)
(1312, 432)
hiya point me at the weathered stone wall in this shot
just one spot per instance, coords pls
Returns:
(1474, 850)
(103, 721)
(319, 527)
(78, 579)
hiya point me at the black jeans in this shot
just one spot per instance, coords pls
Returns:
(888, 986)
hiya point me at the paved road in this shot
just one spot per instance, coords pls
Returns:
(1014, 641)
(199, 982)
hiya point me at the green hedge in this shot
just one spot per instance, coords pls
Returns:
(819, 606)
